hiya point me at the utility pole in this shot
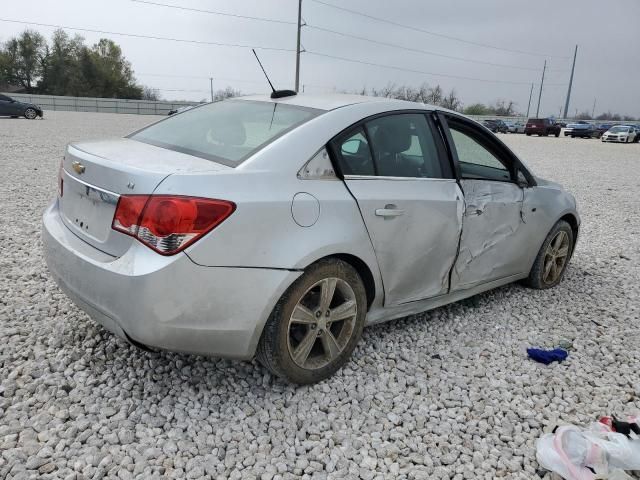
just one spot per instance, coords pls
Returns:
(211, 85)
(593, 112)
(573, 67)
(529, 105)
(544, 69)
(298, 45)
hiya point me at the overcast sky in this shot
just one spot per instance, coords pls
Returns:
(607, 32)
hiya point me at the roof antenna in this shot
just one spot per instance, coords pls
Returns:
(274, 93)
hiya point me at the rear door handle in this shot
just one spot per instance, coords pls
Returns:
(389, 211)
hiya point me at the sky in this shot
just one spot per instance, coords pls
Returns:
(525, 32)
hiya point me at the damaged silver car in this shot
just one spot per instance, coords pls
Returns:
(279, 228)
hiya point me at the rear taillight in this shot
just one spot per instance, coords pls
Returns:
(169, 223)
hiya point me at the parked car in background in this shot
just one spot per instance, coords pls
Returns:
(496, 126)
(542, 127)
(154, 235)
(603, 127)
(580, 130)
(620, 134)
(515, 127)
(13, 108)
(180, 109)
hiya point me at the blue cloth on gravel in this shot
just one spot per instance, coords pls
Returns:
(547, 356)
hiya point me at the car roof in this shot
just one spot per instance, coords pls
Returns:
(331, 101)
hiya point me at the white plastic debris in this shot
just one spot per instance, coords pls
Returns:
(588, 454)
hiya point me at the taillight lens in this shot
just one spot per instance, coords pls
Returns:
(169, 223)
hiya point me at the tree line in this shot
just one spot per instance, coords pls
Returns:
(67, 66)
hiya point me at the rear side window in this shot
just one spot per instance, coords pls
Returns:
(403, 146)
(393, 145)
(226, 132)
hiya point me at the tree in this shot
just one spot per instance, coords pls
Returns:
(23, 59)
(149, 93)
(583, 116)
(477, 109)
(225, 93)
(504, 108)
(451, 101)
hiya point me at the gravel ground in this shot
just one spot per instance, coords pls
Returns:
(445, 394)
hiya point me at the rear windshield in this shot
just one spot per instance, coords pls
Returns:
(226, 132)
(537, 121)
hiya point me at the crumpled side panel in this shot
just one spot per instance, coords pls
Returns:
(491, 222)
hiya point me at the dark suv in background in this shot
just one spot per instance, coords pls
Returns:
(496, 126)
(542, 127)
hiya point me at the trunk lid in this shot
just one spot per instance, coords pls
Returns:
(95, 174)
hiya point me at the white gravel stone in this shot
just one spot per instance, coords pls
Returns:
(445, 394)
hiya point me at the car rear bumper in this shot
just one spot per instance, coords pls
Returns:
(164, 302)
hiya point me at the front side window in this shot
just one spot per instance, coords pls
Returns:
(403, 146)
(226, 132)
(4, 98)
(476, 161)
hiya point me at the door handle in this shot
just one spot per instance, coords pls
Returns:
(389, 211)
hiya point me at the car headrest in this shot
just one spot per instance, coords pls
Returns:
(392, 137)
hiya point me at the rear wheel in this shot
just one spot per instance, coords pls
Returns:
(557, 134)
(30, 113)
(315, 326)
(553, 257)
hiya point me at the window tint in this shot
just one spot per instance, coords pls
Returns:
(356, 154)
(476, 162)
(403, 146)
(226, 132)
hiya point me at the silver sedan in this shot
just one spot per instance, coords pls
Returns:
(279, 228)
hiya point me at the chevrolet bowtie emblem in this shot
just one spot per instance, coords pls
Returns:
(78, 167)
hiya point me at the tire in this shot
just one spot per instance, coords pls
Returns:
(557, 134)
(528, 134)
(541, 275)
(283, 338)
(30, 114)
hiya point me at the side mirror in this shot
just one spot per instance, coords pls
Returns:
(522, 180)
(351, 147)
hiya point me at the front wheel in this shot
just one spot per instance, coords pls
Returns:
(30, 113)
(557, 134)
(316, 325)
(553, 257)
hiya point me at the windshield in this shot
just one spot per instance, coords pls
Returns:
(619, 129)
(226, 132)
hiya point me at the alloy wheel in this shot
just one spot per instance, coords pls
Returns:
(555, 258)
(30, 113)
(322, 323)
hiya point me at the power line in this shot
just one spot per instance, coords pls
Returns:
(195, 77)
(392, 67)
(213, 12)
(151, 37)
(418, 50)
(416, 29)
